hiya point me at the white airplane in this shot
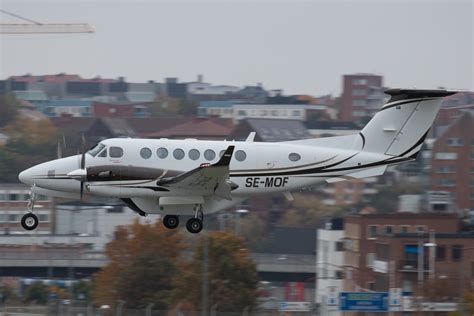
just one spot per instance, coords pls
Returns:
(192, 177)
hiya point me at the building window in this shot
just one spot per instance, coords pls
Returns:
(359, 92)
(440, 253)
(471, 196)
(420, 228)
(371, 286)
(2, 197)
(294, 157)
(178, 153)
(404, 229)
(446, 156)
(14, 197)
(359, 82)
(388, 230)
(456, 252)
(359, 103)
(240, 155)
(339, 246)
(338, 275)
(194, 154)
(369, 259)
(446, 183)
(295, 113)
(372, 233)
(116, 152)
(471, 156)
(455, 142)
(145, 153)
(209, 154)
(43, 217)
(471, 169)
(241, 113)
(446, 169)
(162, 152)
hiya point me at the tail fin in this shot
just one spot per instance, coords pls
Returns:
(400, 127)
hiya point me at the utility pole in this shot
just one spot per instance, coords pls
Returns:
(205, 281)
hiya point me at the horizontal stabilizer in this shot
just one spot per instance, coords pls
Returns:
(372, 172)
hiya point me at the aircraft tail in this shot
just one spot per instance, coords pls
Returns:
(400, 127)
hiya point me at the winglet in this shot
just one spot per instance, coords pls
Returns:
(226, 157)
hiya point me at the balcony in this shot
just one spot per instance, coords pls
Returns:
(410, 265)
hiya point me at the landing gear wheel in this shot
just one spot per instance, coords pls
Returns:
(194, 225)
(171, 221)
(29, 221)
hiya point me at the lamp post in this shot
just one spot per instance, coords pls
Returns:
(238, 214)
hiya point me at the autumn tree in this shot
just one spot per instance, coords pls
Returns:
(232, 275)
(143, 261)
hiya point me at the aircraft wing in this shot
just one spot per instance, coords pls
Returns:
(207, 179)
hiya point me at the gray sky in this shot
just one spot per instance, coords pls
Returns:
(299, 46)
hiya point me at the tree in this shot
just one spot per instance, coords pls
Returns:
(31, 142)
(37, 293)
(307, 211)
(143, 261)
(386, 199)
(232, 275)
(8, 108)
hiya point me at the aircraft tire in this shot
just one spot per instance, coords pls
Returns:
(29, 221)
(171, 221)
(194, 225)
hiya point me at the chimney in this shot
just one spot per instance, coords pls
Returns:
(200, 78)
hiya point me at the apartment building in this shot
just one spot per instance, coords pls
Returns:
(452, 161)
(362, 95)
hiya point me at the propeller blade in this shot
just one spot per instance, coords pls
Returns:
(59, 151)
(82, 189)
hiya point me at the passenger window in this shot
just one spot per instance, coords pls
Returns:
(194, 154)
(178, 153)
(240, 155)
(145, 153)
(209, 154)
(294, 157)
(162, 152)
(115, 152)
(103, 154)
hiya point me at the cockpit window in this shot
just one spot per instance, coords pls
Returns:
(96, 149)
(115, 152)
(103, 154)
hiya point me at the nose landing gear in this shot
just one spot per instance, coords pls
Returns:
(30, 221)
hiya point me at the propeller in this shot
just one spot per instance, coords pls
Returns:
(81, 173)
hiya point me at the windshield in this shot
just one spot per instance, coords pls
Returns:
(96, 149)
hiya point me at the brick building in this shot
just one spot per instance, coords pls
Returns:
(362, 95)
(453, 161)
(362, 232)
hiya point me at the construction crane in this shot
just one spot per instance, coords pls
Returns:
(34, 27)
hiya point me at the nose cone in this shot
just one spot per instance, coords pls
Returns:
(26, 176)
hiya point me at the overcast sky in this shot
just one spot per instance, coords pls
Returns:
(298, 46)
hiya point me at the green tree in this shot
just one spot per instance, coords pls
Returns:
(37, 293)
(386, 199)
(31, 142)
(8, 108)
(143, 260)
(232, 275)
(82, 290)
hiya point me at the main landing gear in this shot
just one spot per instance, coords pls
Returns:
(30, 221)
(194, 225)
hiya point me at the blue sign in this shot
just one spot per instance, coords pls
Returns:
(364, 301)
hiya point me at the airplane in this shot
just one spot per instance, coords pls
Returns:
(192, 177)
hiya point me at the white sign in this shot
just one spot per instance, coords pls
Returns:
(395, 296)
(439, 307)
(380, 266)
(295, 306)
(332, 298)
